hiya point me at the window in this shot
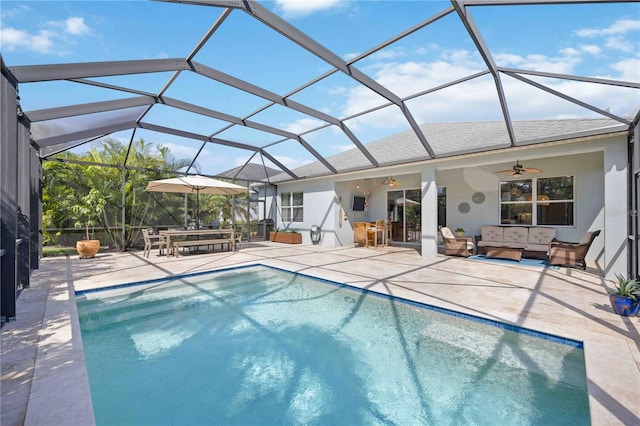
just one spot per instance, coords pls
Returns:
(537, 201)
(291, 204)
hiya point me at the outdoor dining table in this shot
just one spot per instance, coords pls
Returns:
(174, 238)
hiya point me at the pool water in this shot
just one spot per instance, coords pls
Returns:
(260, 346)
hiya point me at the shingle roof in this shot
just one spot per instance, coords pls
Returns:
(250, 172)
(448, 139)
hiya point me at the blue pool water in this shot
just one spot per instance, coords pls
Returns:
(260, 346)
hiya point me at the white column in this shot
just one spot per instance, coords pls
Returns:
(616, 193)
(429, 224)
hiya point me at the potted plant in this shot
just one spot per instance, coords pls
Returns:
(91, 206)
(624, 296)
(290, 236)
(460, 232)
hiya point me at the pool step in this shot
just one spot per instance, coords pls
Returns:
(104, 309)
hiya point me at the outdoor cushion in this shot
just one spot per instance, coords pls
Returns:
(515, 234)
(491, 233)
(511, 245)
(537, 247)
(541, 235)
(500, 244)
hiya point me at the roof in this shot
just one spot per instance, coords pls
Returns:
(451, 139)
(298, 121)
(250, 172)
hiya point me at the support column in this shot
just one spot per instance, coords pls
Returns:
(429, 222)
(616, 219)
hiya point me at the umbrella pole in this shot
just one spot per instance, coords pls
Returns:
(197, 209)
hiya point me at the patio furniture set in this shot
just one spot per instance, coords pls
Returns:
(516, 242)
(173, 239)
(372, 233)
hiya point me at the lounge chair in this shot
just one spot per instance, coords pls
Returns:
(456, 246)
(571, 254)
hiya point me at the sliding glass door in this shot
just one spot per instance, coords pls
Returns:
(404, 212)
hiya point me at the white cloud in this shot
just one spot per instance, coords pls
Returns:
(563, 64)
(508, 59)
(298, 8)
(292, 163)
(76, 26)
(41, 42)
(591, 49)
(349, 56)
(55, 39)
(181, 151)
(337, 90)
(628, 69)
(13, 12)
(341, 148)
(394, 53)
(621, 26)
(303, 125)
(477, 99)
(619, 43)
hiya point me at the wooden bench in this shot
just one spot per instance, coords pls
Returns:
(209, 242)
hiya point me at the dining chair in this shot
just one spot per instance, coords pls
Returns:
(151, 240)
(374, 231)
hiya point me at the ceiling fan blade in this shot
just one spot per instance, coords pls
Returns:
(505, 171)
(531, 170)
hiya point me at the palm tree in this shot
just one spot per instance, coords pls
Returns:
(64, 185)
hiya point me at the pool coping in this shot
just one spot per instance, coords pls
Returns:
(498, 324)
(610, 403)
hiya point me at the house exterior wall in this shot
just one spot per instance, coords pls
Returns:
(320, 209)
(587, 168)
(598, 165)
(601, 193)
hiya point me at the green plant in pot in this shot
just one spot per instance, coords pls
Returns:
(460, 231)
(90, 207)
(624, 296)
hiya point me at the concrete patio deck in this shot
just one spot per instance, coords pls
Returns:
(44, 379)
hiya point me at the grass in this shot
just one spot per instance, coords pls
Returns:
(51, 251)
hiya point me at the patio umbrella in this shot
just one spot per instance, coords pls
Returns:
(198, 184)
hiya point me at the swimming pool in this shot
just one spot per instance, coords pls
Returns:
(262, 346)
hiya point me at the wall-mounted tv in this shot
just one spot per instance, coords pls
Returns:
(358, 204)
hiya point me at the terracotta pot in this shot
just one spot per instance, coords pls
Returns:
(87, 248)
(272, 235)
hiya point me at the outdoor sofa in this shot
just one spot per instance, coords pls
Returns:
(515, 241)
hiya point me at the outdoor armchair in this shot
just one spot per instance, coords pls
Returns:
(456, 246)
(571, 254)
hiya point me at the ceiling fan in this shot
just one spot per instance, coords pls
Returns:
(518, 169)
(390, 181)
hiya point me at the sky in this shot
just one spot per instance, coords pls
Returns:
(594, 40)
